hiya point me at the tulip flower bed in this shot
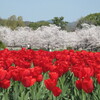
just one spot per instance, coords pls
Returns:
(43, 75)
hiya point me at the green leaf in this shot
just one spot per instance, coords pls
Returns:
(27, 96)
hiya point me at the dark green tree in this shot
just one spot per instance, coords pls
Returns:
(3, 22)
(12, 22)
(2, 45)
(59, 21)
(90, 19)
(20, 21)
(35, 25)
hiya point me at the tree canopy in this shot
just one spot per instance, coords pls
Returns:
(90, 19)
(12, 22)
(59, 21)
(35, 25)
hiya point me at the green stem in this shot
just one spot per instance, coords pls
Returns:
(83, 95)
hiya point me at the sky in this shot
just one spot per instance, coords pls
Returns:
(37, 10)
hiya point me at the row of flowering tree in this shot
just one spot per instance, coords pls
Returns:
(52, 37)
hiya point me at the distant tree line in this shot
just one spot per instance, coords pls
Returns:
(13, 22)
(58, 21)
(35, 25)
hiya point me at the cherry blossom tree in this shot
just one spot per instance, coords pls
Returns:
(52, 37)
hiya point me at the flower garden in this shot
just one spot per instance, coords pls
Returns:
(42, 75)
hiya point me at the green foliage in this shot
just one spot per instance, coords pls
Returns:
(39, 92)
(90, 19)
(59, 21)
(3, 22)
(2, 45)
(20, 21)
(35, 25)
(13, 22)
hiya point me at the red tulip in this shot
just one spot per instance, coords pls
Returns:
(3, 74)
(5, 84)
(56, 91)
(87, 85)
(36, 71)
(98, 78)
(28, 81)
(78, 84)
(39, 78)
(53, 75)
(50, 84)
